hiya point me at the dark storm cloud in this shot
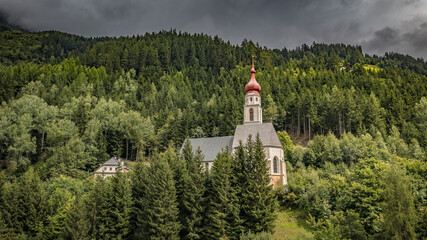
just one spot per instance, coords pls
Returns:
(377, 25)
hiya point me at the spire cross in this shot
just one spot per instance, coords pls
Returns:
(253, 67)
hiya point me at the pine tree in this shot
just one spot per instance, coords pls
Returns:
(156, 207)
(115, 207)
(25, 204)
(222, 210)
(77, 222)
(122, 204)
(94, 206)
(257, 201)
(3, 226)
(191, 189)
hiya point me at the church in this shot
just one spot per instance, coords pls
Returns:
(252, 125)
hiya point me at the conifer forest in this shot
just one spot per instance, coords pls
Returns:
(353, 127)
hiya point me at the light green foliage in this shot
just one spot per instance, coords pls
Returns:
(398, 206)
(421, 119)
(69, 103)
(395, 144)
(288, 145)
(270, 109)
(22, 144)
(256, 236)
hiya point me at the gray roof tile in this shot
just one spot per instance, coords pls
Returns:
(210, 146)
(266, 131)
(112, 162)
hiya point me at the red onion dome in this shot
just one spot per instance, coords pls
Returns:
(252, 86)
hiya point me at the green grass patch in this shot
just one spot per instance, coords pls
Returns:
(291, 224)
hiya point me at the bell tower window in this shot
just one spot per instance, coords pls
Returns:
(251, 114)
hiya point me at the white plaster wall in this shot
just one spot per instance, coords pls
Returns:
(272, 152)
(208, 165)
(252, 101)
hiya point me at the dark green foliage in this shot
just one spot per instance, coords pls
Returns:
(155, 201)
(256, 197)
(77, 222)
(69, 103)
(24, 210)
(222, 219)
(190, 191)
(94, 206)
(115, 207)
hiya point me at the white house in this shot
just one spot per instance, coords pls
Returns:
(110, 167)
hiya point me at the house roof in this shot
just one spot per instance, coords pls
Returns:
(266, 131)
(210, 146)
(112, 162)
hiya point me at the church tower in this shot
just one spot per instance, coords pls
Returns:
(252, 109)
(252, 126)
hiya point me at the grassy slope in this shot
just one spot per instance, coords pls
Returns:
(291, 224)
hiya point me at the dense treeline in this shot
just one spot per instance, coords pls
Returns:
(363, 187)
(68, 103)
(192, 85)
(172, 197)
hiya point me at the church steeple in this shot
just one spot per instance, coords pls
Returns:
(252, 108)
(252, 86)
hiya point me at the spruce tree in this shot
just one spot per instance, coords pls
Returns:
(257, 201)
(116, 206)
(191, 189)
(222, 210)
(25, 203)
(3, 226)
(156, 207)
(77, 221)
(94, 206)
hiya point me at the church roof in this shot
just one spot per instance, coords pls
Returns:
(211, 146)
(266, 131)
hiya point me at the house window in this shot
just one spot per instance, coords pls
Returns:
(275, 165)
(251, 99)
(256, 99)
(251, 114)
(111, 169)
(105, 168)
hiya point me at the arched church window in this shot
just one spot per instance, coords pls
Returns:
(251, 114)
(275, 165)
(256, 99)
(251, 99)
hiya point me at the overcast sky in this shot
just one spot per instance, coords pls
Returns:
(378, 25)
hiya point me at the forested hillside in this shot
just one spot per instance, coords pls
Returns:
(356, 165)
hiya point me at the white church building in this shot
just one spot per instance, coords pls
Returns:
(252, 125)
